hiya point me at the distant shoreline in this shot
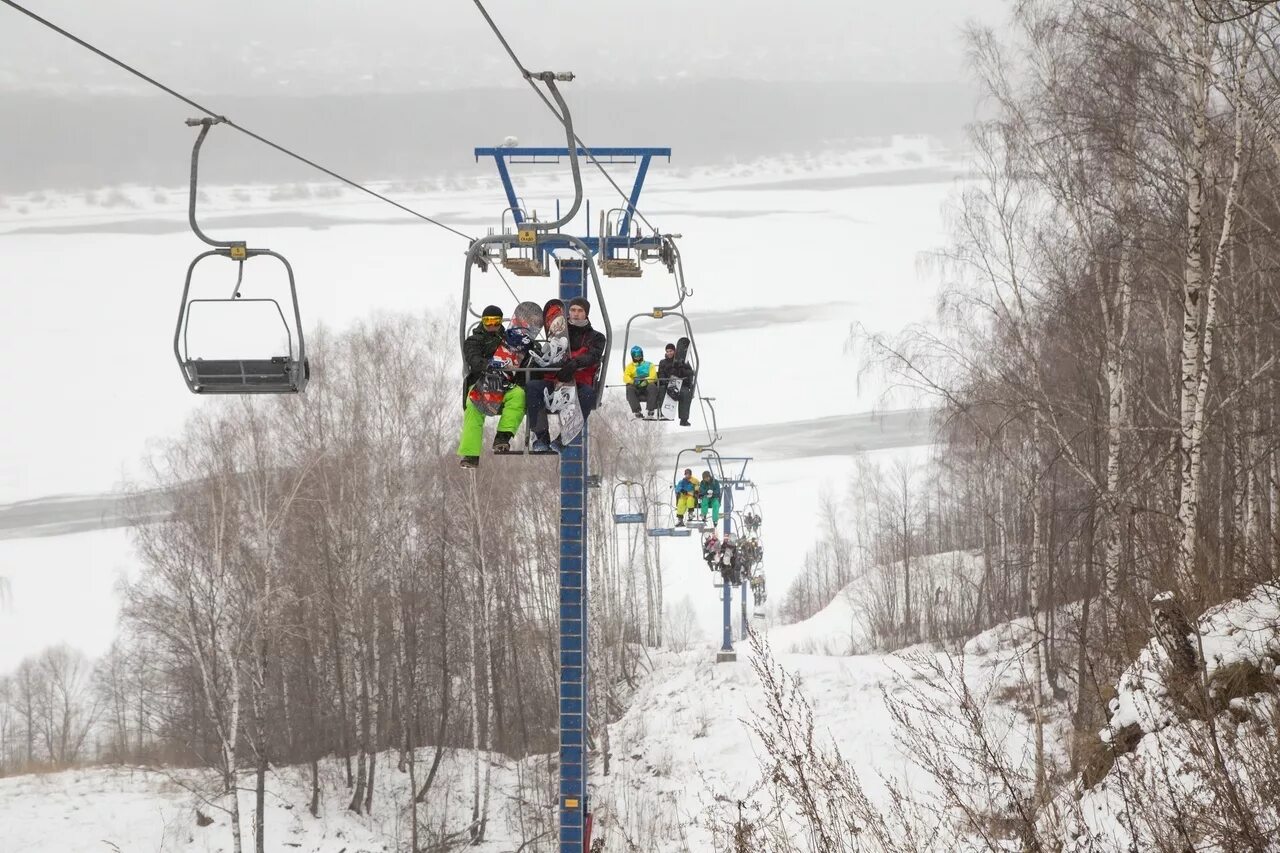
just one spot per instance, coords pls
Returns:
(141, 140)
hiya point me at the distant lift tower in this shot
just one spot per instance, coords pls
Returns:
(731, 471)
(620, 248)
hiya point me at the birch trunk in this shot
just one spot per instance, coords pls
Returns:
(1189, 440)
(1197, 347)
(1114, 502)
(1037, 638)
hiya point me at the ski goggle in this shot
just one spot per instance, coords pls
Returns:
(491, 320)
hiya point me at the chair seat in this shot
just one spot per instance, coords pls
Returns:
(621, 267)
(525, 266)
(628, 517)
(278, 375)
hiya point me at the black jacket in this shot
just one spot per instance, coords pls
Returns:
(586, 351)
(670, 368)
(477, 349)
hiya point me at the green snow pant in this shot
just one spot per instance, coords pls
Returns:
(714, 505)
(472, 440)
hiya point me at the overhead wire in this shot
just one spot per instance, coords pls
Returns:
(712, 431)
(251, 134)
(528, 77)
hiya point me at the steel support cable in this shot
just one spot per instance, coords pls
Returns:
(574, 137)
(222, 119)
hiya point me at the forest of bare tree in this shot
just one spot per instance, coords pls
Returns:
(331, 584)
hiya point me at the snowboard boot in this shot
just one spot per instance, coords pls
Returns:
(502, 442)
(638, 414)
(469, 462)
(679, 521)
(685, 423)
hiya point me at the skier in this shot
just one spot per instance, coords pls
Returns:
(672, 368)
(686, 496)
(586, 350)
(752, 522)
(709, 493)
(757, 588)
(477, 350)
(638, 376)
(711, 549)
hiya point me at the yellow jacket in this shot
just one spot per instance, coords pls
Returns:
(638, 373)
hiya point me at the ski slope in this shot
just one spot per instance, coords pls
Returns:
(683, 743)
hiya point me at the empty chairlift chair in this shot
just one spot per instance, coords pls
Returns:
(274, 362)
(628, 503)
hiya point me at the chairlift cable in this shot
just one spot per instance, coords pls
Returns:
(282, 149)
(528, 76)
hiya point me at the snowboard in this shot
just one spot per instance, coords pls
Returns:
(563, 403)
(488, 392)
(555, 350)
(562, 399)
(671, 399)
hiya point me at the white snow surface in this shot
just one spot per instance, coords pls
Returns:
(1169, 755)
(769, 316)
(783, 266)
(683, 741)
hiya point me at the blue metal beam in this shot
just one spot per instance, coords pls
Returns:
(509, 188)
(625, 228)
(598, 153)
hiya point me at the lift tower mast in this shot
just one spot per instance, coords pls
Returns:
(620, 248)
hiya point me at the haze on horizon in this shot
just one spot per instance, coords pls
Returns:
(308, 47)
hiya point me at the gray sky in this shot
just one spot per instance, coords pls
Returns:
(311, 46)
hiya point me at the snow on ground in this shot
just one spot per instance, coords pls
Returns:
(1162, 741)
(683, 741)
(61, 589)
(90, 323)
(96, 298)
(135, 809)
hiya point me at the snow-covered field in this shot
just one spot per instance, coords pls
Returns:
(784, 257)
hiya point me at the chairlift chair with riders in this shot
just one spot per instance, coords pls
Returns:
(669, 255)
(269, 372)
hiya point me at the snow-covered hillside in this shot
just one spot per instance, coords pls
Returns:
(683, 744)
(1189, 755)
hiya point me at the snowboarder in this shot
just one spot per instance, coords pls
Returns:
(674, 367)
(686, 496)
(639, 376)
(709, 495)
(478, 352)
(752, 522)
(757, 588)
(586, 350)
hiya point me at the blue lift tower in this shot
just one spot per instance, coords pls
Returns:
(731, 471)
(619, 247)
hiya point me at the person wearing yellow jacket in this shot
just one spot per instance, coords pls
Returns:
(686, 496)
(639, 376)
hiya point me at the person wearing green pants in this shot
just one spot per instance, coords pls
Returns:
(478, 353)
(709, 490)
(472, 440)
